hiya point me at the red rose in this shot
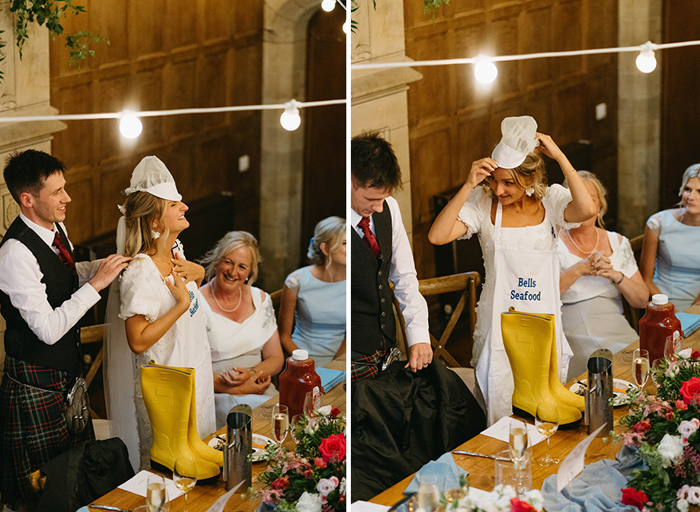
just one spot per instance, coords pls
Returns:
(635, 498)
(334, 411)
(681, 405)
(517, 505)
(320, 463)
(691, 390)
(695, 355)
(333, 447)
(642, 426)
(308, 473)
(281, 483)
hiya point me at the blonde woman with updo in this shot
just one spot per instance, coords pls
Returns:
(518, 218)
(312, 312)
(159, 302)
(241, 326)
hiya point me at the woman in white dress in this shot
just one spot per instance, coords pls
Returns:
(597, 269)
(245, 347)
(159, 301)
(518, 219)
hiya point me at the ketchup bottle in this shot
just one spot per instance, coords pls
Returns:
(658, 323)
(297, 379)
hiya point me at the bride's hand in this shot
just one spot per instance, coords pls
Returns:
(481, 169)
(188, 270)
(178, 289)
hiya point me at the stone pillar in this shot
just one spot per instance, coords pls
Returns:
(379, 96)
(639, 117)
(24, 91)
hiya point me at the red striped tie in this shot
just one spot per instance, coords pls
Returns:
(369, 237)
(63, 253)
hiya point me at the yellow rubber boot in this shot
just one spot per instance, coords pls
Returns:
(527, 338)
(200, 447)
(167, 394)
(555, 385)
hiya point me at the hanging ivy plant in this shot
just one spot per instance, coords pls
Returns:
(49, 13)
(429, 7)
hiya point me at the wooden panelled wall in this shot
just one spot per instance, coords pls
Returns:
(163, 55)
(453, 121)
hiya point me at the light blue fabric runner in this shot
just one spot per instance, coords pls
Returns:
(597, 489)
(445, 471)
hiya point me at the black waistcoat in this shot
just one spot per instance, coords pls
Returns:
(61, 283)
(371, 297)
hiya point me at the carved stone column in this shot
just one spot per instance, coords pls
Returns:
(24, 91)
(379, 99)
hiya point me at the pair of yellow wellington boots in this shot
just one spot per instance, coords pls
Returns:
(530, 342)
(170, 399)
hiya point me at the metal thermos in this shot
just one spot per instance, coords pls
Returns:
(599, 409)
(239, 445)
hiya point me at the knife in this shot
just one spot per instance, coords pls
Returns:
(109, 507)
(475, 454)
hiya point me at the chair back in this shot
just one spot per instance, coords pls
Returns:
(93, 334)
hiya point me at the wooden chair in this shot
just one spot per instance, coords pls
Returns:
(93, 334)
(633, 314)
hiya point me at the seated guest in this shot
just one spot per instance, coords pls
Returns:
(313, 297)
(597, 266)
(245, 346)
(159, 300)
(670, 262)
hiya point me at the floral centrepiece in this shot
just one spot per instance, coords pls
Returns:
(312, 478)
(664, 427)
(501, 499)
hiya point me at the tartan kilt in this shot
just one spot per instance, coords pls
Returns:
(32, 427)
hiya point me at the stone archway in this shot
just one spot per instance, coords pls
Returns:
(281, 162)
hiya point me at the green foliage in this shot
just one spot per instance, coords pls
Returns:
(430, 6)
(49, 13)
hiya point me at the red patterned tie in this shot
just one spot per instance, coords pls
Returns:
(369, 238)
(63, 253)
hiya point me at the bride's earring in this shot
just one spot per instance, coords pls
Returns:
(530, 191)
(155, 234)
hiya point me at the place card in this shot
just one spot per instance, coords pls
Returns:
(366, 506)
(573, 463)
(499, 430)
(138, 483)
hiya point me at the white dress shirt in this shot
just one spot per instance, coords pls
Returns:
(20, 279)
(403, 274)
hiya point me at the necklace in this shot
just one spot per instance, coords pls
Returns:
(568, 233)
(213, 294)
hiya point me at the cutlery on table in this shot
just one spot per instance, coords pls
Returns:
(109, 507)
(475, 454)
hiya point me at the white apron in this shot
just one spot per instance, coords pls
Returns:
(528, 280)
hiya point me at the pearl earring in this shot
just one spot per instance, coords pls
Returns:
(530, 191)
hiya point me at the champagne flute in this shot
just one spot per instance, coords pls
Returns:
(547, 422)
(517, 441)
(185, 475)
(280, 423)
(672, 347)
(640, 367)
(155, 493)
(655, 370)
(428, 493)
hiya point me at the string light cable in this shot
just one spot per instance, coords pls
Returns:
(646, 56)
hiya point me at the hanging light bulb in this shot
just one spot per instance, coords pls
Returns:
(485, 70)
(130, 126)
(328, 5)
(646, 62)
(290, 119)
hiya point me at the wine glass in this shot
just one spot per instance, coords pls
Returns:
(640, 367)
(312, 401)
(517, 441)
(672, 347)
(185, 475)
(295, 420)
(655, 370)
(280, 423)
(428, 493)
(156, 497)
(547, 422)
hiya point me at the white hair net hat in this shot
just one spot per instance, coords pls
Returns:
(517, 141)
(152, 176)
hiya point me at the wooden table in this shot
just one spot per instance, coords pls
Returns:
(203, 496)
(481, 470)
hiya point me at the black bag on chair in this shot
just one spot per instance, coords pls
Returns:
(401, 420)
(83, 474)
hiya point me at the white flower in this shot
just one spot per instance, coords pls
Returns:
(670, 448)
(341, 489)
(686, 353)
(326, 485)
(693, 495)
(534, 498)
(682, 505)
(309, 503)
(325, 410)
(687, 427)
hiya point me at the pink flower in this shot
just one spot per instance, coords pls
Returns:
(326, 485)
(320, 463)
(642, 426)
(681, 405)
(308, 473)
(688, 427)
(669, 416)
(281, 483)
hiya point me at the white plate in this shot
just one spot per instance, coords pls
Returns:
(259, 443)
(619, 390)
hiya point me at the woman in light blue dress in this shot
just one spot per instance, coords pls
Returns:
(312, 311)
(670, 262)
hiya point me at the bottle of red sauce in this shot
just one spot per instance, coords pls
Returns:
(658, 323)
(297, 379)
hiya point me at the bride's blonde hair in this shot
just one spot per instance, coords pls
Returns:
(140, 210)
